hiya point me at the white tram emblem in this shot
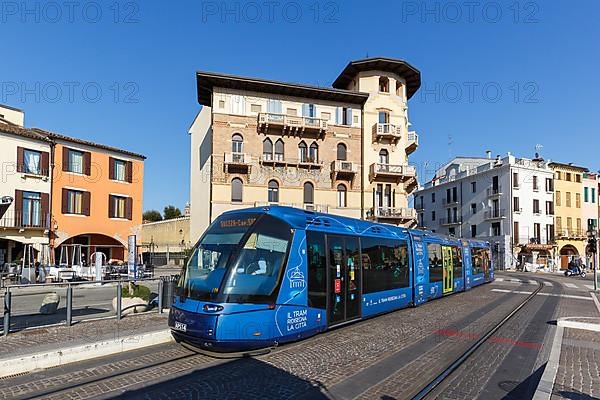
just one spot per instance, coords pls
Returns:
(296, 278)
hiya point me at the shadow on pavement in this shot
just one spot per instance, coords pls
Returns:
(246, 378)
(527, 388)
(20, 322)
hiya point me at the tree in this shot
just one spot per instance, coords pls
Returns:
(152, 216)
(171, 212)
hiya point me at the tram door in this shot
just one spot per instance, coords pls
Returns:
(448, 281)
(343, 279)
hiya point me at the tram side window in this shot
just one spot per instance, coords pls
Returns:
(480, 260)
(436, 262)
(457, 261)
(385, 264)
(317, 270)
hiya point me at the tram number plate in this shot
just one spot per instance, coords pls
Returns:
(180, 326)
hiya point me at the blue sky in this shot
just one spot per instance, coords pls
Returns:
(498, 75)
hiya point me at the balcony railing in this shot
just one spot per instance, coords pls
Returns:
(20, 220)
(451, 221)
(386, 131)
(569, 233)
(412, 142)
(344, 167)
(291, 124)
(495, 213)
(449, 202)
(403, 172)
(494, 191)
(237, 162)
(310, 207)
(397, 213)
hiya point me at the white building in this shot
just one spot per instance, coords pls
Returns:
(25, 163)
(508, 201)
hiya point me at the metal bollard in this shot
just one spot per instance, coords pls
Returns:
(161, 285)
(7, 305)
(69, 305)
(119, 294)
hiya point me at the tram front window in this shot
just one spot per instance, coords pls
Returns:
(239, 259)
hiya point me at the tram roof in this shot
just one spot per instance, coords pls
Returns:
(305, 219)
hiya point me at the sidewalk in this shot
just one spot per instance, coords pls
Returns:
(573, 370)
(45, 347)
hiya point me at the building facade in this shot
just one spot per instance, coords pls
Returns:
(507, 201)
(25, 160)
(97, 194)
(166, 242)
(342, 150)
(67, 193)
(571, 232)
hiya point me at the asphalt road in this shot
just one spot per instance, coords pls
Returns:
(387, 357)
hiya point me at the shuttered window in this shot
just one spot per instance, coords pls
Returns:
(237, 190)
(120, 207)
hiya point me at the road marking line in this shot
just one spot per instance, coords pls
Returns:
(568, 296)
(516, 280)
(499, 279)
(533, 282)
(571, 285)
(548, 284)
(546, 385)
(591, 287)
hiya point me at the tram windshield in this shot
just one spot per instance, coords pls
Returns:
(239, 259)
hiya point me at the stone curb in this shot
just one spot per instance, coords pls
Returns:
(53, 358)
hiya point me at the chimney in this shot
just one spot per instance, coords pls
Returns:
(489, 154)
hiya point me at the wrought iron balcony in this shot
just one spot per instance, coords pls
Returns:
(451, 221)
(20, 220)
(291, 124)
(494, 213)
(386, 131)
(494, 191)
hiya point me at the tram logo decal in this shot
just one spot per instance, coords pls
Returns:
(296, 277)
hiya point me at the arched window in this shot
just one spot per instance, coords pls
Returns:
(273, 192)
(303, 152)
(341, 196)
(384, 157)
(237, 188)
(279, 148)
(309, 193)
(399, 89)
(313, 153)
(237, 143)
(341, 151)
(384, 84)
(267, 149)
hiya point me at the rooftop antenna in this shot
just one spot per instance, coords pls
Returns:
(538, 148)
(450, 143)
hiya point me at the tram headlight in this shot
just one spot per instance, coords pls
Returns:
(212, 308)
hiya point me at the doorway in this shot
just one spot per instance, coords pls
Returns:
(344, 279)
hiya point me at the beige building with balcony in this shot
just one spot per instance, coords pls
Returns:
(342, 150)
(570, 230)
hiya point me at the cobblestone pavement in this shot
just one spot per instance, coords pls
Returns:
(390, 356)
(578, 375)
(42, 339)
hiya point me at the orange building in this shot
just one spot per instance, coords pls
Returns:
(97, 195)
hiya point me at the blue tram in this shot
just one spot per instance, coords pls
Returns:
(263, 276)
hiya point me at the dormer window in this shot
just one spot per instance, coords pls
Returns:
(384, 84)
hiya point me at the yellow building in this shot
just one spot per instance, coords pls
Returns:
(570, 229)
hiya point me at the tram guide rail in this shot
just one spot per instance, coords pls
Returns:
(469, 352)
